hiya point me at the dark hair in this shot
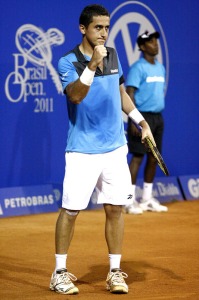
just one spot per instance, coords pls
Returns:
(89, 11)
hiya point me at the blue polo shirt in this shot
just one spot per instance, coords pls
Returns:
(96, 124)
(149, 81)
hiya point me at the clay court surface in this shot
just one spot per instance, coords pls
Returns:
(160, 255)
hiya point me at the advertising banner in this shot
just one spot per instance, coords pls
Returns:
(165, 189)
(17, 201)
(190, 186)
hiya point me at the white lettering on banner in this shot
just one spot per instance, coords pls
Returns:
(43, 105)
(27, 80)
(28, 201)
(161, 190)
(193, 186)
(167, 190)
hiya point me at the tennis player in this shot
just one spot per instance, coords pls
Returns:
(96, 149)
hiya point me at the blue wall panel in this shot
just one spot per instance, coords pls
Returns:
(33, 116)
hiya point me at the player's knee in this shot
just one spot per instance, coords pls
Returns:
(113, 210)
(72, 213)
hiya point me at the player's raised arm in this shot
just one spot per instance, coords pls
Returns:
(77, 90)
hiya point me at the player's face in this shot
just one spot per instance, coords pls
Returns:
(97, 31)
(151, 47)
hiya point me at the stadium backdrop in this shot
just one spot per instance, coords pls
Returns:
(33, 116)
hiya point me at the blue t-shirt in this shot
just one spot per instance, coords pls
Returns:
(96, 124)
(149, 81)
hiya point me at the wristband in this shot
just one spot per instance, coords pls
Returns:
(87, 76)
(136, 116)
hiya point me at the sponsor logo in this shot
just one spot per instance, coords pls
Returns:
(193, 186)
(161, 190)
(32, 64)
(128, 21)
(190, 186)
(165, 189)
(28, 201)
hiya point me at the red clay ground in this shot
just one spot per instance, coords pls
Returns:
(160, 255)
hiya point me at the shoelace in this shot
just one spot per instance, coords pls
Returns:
(67, 277)
(118, 276)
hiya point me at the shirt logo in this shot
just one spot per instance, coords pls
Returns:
(114, 71)
(155, 79)
(65, 74)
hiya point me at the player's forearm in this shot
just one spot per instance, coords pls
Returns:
(77, 91)
(127, 104)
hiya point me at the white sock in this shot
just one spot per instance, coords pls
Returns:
(114, 260)
(60, 260)
(147, 191)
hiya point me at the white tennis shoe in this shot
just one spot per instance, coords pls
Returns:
(115, 282)
(61, 283)
(153, 205)
(133, 208)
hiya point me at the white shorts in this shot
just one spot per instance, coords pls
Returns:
(103, 177)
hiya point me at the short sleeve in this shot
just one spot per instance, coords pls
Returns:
(67, 72)
(134, 76)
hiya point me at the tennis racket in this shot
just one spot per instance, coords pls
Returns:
(154, 150)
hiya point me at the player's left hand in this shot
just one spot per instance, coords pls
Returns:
(146, 131)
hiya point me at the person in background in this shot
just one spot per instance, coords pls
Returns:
(145, 84)
(96, 150)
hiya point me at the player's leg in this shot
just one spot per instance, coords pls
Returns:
(114, 231)
(114, 187)
(61, 279)
(64, 230)
(135, 163)
(137, 150)
(81, 176)
(114, 228)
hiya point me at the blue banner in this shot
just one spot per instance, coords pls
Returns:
(190, 186)
(165, 189)
(33, 113)
(17, 201)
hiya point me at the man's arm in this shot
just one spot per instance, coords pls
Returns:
(129, 107)
(77, 90)
(130, 91)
